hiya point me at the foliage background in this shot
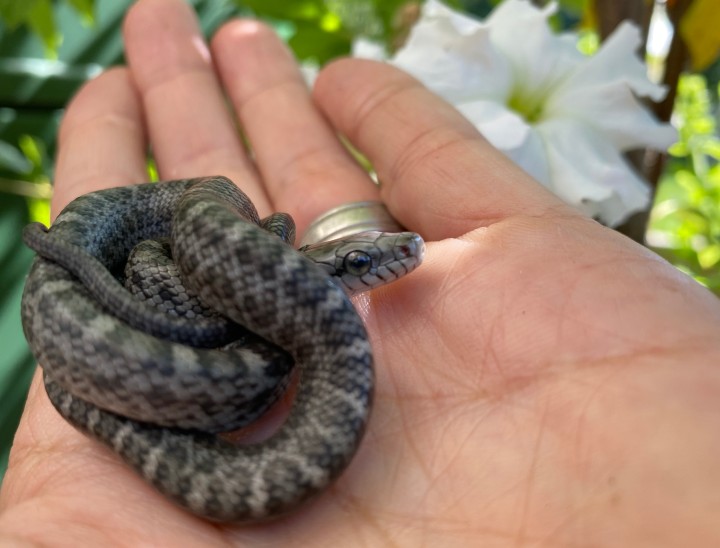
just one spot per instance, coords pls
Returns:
(48, 48)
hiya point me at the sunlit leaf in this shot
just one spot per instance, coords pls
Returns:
(39, 210)
(39, 16)
(359, 17)
(31, 149)
(577, 7)
(712, 148)
(330, 22)
(16, 12)
(86, 9)
(688, 180)
(152, 170)
(295, 10)
(42, 21)
(588, 42)
(713, 178)
(692, 222)
(702, 126)
(710, 256)
(313, 43)
(679, 149)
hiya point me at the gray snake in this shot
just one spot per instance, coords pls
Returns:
(157, 387)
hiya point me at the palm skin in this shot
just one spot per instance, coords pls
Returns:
(541, 380)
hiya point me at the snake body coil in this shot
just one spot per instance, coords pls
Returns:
(156, 387)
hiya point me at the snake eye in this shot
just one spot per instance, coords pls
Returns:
(357, 263)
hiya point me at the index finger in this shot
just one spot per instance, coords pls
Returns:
(101, 142)
(439, 176)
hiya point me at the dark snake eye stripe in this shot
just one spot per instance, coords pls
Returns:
(156, 387)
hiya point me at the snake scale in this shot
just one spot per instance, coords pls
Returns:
(157, 383)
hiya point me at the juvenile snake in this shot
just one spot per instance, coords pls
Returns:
(156, 386)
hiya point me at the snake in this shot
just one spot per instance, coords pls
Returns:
(221, 323)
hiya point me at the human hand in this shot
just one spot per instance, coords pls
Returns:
(539, 378)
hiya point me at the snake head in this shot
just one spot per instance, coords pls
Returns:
(367, 260)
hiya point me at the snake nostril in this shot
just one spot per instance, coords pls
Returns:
(404, 251)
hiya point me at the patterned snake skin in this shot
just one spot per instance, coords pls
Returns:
(156, 386)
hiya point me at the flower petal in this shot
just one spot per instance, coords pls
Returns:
(463, 24)
(539, 59)
(613, 110)
(532, 157)
(368, 49)
(510, 134)
(452, 55)
(601, 91)
(500, 125)
(616, 62)
(587, 171)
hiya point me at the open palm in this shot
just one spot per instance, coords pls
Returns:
(540, 379)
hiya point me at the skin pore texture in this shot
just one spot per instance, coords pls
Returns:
(541, 380)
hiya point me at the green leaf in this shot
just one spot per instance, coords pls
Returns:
(387, 11)
(709, 256)
(152, 170)
(359, 17)
(294, 10)
(39, 210)
(32, 150)
(679, 149)
(688, 181)
(692, 222)
(86, 9)
(16, 13)
(17, 365)
(711, 147)
(702, 125)
(42, 21)
(39, 16)
(588, 42)
(577, 7)
(11, 159)
(311, 42)
(686, 216)
(713, 178)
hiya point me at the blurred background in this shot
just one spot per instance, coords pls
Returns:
(48, 48)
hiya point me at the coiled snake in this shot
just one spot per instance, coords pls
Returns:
(156, 386)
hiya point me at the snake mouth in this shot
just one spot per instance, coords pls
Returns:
(416, 247)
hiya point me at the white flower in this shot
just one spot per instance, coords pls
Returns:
(563, 117)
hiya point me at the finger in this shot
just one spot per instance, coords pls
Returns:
(190, 126)
(101, 142)
(438, 174)
(304, 166)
